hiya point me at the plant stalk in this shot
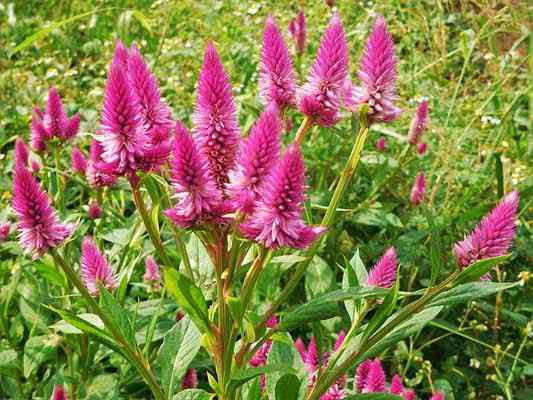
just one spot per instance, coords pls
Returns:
(307, 123)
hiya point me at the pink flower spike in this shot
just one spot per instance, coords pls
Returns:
(493, 236)
(320, 97)
(396, 386)
(421, 148)
(59, 393)
(5, 228)
(95, 211)
(312, 360)
(418, 190)
(55, 120)
(335, 392)
(152, 271)
(95, 270)
(257, 157)
(377, 73)
(298, 31)
(39, 135)
(276, 221)
(216, 130)
(22, 154)
(437, 396)
(300, 346)
(95, 174)
(383, 274)
(272, 323)
(276, 74)
(79, 163)
(196, 191)
(190, 380)
(376, 378)
(73, 126)
(35, 166)
(409, 394)
(39, 227)
(361, 376)
(381, 144)
(419, 123)
(339, 341)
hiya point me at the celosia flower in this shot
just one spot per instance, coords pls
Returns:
(421, 148)
(298, 31)
(409, 394)
(375, 380)
(196, 190)
(59, 393)
(151, 273)
(95, 270)
(361, 377)
(95, 174)
(335, 392)
(377, 73)
(21, 152)
(381, 144)
(493, 236)
(277, 218)
(300, 346)
(73, 127)
(418, 190)
(39, 135)
(383, 274)
(123, 136)
(79, 163)
(260, 357)
(257, 156)
(94, 211)
(320, 97)
(396, 386)
(276, 74)
(55, 120)
(215, 117)
(437, 396)
(190, 379)
(418, 123)
(35, 166)
(4, 231)
(272, 322)
(39, 227)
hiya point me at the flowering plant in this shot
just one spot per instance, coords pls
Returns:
(237, 199)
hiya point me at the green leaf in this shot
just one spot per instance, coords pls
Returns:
(359, 268)
(243, 375)
(436, 247)
(102, 387)
(37, 350)
(33, 318)
(8, 359)
(118, 315)
(287, 387)
(189, 297)
(193, 394)
(143, 20)
(326, 305)
(384, 310)
(374, 396)
(235, 308)
(202, 267)
(66, 327)
(319, 278)
(470, 291)
(480, 268)
(180, 346)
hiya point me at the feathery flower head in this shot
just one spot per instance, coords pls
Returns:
(409, 394)
(216, 130)
(190, 379)
(312, 359)
(335, 392)
(96, 173)
(39, 135)
(95, 270)
(381, 144)
(418, 190)
(276, 74)
(437, 396)
(35, 166)
(256, 159)
(493, 236)
(340, 340)
(123, 136)
(375, 381)
(377, 73)
(95, 211)
(383, 274)
(73, 126)
(277, 218)
(361, 376)
(59, 393)
(260, 357)
(38, 224)
(320, 97)
(396, 386)
(22, 154)
(419, 123)
(79, 163)
(272, 322)
(197, 193)
(421, 148)
(152, 271)
(4, 231)
(55, 120)
(298, 31)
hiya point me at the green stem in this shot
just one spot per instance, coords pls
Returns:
(253, 275)
(307, 123)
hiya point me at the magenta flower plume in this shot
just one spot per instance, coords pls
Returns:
(375, 381)
(59, 393)
(95, 270)
(362, 372)
(123, 136)
(312, 359)
(377, 73)
(493, 236)
(35, 166)
(5, 228)
(383, 274)
(418, 190)
(419, 123)
(151, 273)
(409, 394)
(73, 126)
(79, 163)
(320, 97)
(339, 341)
(260, 357)
(197, 193)
(97, 173)
(396, 386)
(381, 144)
(421, 148)
(335, 392)
(190, 379)
(155, 114)
(276, 74)
(39, 135)
(94, 211)
(437, 396)
(257, 157)
(22, 154)
(55, 120)
(272, 322)
(277, 218)
(38, 224)
(298, 31)
(215, 117)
